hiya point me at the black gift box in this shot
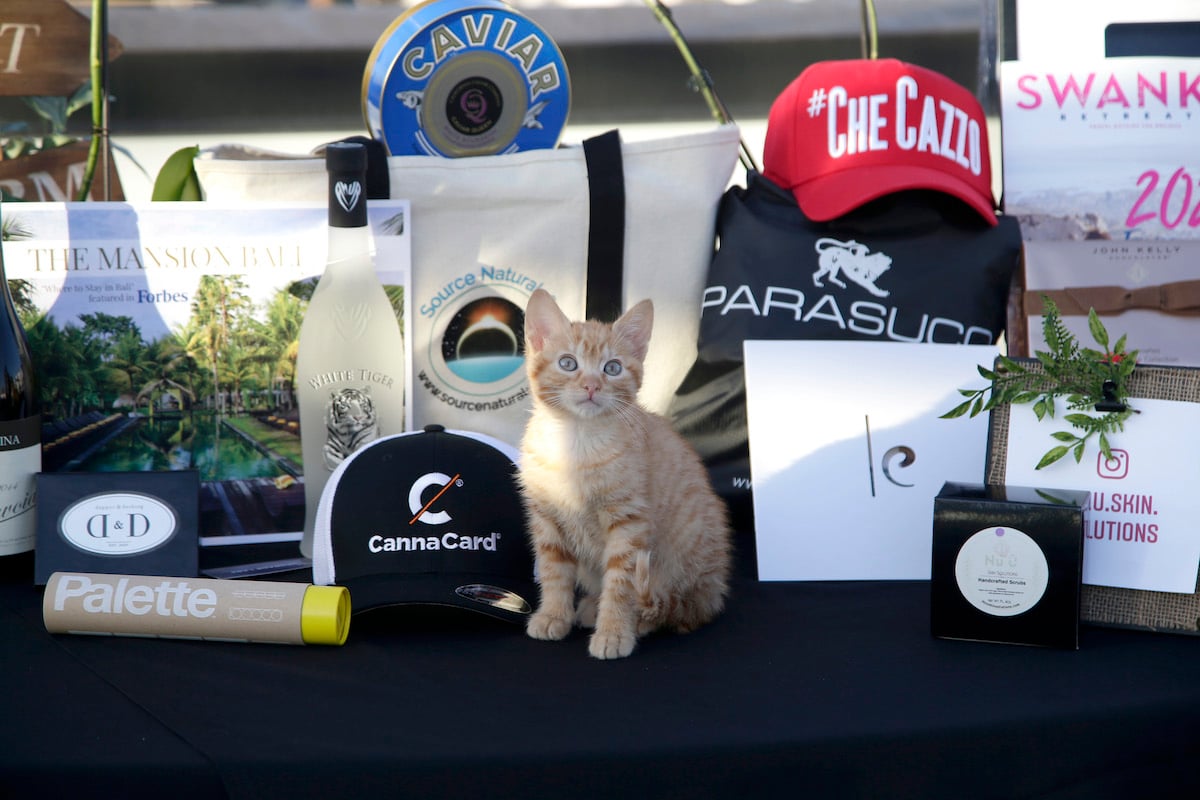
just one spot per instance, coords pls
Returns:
(1007, 564)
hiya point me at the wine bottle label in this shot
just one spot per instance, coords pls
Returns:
(20, 461)
(19, 434)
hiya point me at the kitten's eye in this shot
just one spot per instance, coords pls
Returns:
(568, 364)
(613, 367)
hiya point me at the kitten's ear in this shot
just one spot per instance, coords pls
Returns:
(634, 328)
(543, 318)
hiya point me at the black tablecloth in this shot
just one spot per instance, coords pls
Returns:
(804, 690)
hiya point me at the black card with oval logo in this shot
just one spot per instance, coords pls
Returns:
(132, 523)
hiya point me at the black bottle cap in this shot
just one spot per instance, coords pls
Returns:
(345, 157)
(346, 164)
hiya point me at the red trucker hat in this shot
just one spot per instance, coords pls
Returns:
(844, 133)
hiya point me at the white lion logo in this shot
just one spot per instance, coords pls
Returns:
(852, 260)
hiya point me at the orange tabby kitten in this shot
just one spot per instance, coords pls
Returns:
(619, 505)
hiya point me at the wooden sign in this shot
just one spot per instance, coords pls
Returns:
(45, 48)
(56, 176)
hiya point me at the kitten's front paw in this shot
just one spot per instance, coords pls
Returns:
(586, 615)
(611, 644)
(546, 626)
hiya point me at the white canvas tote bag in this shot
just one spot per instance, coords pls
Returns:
(600, 226)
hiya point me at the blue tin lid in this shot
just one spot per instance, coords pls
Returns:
(460, 78)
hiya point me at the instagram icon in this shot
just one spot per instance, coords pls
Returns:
(1114, 468)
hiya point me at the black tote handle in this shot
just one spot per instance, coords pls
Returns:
(606, 229)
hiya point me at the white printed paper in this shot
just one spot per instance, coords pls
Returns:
(1143, 521)
(163, 338)
(1102, 148)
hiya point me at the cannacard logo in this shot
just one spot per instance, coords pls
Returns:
(423, 511)
(426, 497)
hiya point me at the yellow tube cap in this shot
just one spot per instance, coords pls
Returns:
(325, 615)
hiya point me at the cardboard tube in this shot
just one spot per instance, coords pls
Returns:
(210, 609)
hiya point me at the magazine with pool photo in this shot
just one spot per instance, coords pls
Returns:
(164, 337)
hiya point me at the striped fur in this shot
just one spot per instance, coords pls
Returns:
(621, 513)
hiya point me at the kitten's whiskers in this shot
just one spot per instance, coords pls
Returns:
(631, 415)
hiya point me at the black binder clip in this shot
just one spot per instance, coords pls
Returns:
(1110, 403)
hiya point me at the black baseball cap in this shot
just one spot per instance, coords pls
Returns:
(427, 517)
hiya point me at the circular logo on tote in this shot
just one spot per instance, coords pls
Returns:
(484, 340)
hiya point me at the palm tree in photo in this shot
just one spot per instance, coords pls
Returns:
(217, 309)
(68, 366)
(240, 369)
(164, 364)
(125, 364)
(188, 338)
(13, 228)
(108, 329)
(284, 315)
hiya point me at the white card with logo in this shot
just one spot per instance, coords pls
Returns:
(847, 452)
(1141, 530)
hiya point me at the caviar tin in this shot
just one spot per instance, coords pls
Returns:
(460, 78)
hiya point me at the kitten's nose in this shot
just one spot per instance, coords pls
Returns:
(591, 387)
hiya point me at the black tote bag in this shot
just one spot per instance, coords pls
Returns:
(915, 266)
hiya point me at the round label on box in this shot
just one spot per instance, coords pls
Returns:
(1001, 571)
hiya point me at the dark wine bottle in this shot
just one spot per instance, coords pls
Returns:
(20, 429)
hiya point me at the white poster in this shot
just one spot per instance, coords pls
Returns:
(1102, 149)
(1142, 529)
(163, 337)
(847, 453)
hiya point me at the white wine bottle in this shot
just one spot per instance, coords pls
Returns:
(350, 362)
(20, 430)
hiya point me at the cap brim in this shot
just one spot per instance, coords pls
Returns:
(831, 196)
(509, 600)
